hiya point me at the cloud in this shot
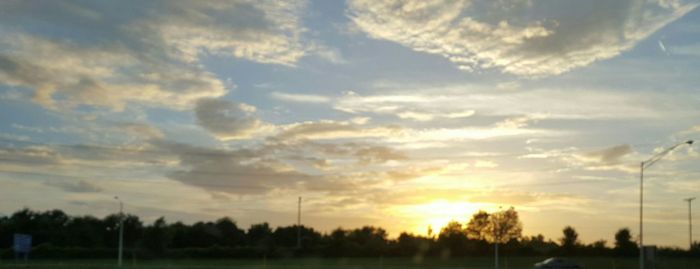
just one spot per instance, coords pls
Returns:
(226, 119)
(334, 130)
(608, 156)
(485, 164)
(148, 57)
(33, 155)
(331, 55)
(329, 129)
(80, 186)
(300, 98)
(615, 158)
(520, 121)
(244, 171)
(404, 106)
(64, 75)
(446, 100)
(481, 198)
(262, 31)
(493, 34)
(140, 130)
(427, 116)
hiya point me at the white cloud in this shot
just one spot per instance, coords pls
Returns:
(485, 164)
(572, 103)
(65, 75)
(263, 31)
(140, 130)
(487, 34)
(300, 98)
(520, 121)
(428, 116)
(149, 57)
(329, 129)
(330, 54)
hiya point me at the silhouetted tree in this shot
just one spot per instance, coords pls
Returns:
(477, 225)
(336, 243)
(570, 242)
(409, 245)
(230, 234)
(60, 235)
(287, 237)
(597, 248)
(368, 240)
(624, 246)
(260, 236)
(453, 240)
(537, 245)
(503, 227)
(132, 230)
(86, 231)
(157, 237)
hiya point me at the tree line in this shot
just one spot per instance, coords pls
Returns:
(58, 235)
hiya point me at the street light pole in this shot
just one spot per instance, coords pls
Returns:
(690, 222)
(646, 164)
(299, 224)
(121, 231)
(641, 216)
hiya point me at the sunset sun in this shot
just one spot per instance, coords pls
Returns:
(436, 214)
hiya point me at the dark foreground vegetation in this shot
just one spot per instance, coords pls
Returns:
(350, 263)
(59, 236)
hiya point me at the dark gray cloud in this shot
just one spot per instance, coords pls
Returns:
(233, 171)
(609, 156)
(226, 119)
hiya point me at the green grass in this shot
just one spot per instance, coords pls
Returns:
(351, 263)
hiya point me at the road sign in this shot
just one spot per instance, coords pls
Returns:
(22, 243)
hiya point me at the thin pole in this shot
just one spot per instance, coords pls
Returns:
(496, 246)
(641, 216)
(690, 222)
(299, 224)
(121, 232)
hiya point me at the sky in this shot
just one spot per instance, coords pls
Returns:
(402, 114)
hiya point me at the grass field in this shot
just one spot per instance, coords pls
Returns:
(352, 263)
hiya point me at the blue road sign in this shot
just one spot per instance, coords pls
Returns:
(22, 243)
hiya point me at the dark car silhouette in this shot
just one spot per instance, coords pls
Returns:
(557, 263)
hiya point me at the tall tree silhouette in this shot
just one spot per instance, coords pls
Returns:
(569, 242)
(624, 246)
(453, 239)
(477, 225)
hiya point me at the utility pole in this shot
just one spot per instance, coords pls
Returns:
(644, 165)
(299, 224)
(690, 221)
(121, 231)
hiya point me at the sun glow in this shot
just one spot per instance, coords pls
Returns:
(436, 214)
